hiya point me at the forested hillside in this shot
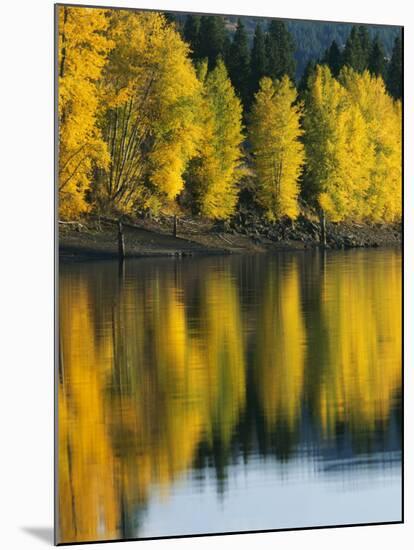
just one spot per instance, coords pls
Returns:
(311, 38)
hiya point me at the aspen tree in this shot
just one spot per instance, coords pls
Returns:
(325, 108)
(82, 54)
(150, 124)
(216, 171)
(278, 154)
(383, 119)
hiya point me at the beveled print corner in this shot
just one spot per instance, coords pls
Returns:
(229, 278)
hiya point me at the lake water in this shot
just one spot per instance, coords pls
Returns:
(229, 394)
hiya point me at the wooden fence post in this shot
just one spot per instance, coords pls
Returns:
(175, 226)
(323, 228)
(121, 241)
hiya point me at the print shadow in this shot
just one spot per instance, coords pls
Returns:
(43, 533)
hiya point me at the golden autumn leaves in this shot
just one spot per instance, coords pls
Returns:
(83, 48)
(140, 126)
(139, 102)
(278, 154)
(149, 115)
(353, 146)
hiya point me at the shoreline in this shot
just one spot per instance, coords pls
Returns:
(97, 238)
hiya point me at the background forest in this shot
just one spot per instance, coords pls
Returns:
(203, 114)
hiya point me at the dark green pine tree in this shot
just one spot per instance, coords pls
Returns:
(309, 70)
(395, 71)
(366, 46)
(333, 58)
(357, 49)
(170, 17)
(226, 49)
(211, 39)
(238, 62)
(377, 63)
(191, 34)
(257, 60)
(279, 51)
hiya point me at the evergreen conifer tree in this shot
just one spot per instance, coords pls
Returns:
(357, 49)
(212, 36)
(191, 34)
(366, 46)
(377, 62)
(309, 70)
(239, 62)
(257, 59)
(395, 74)
(279, 50)
(333, 58)
(226, 49)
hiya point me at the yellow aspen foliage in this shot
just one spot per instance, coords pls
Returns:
(278, 154)
(216, 171)
(355, 159)
(82, 53)
(345, 195)
(383, 118)
(326, 122)
(151, 124)
(353, 146)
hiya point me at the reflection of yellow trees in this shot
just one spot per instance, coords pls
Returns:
(146, 376)
(362, 309)
(143, 395)
(280, 347)
(223, 351)
(164, 400)
(190, 383)
(87, 497)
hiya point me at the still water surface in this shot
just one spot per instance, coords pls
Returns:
(229, 394)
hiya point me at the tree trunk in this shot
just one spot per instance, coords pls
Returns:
(63, 58)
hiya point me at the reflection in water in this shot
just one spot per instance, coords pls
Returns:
(176, 376)
(279, 348)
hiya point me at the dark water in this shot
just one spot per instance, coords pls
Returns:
(229, 394)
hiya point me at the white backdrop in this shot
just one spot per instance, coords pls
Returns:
(26, 286)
